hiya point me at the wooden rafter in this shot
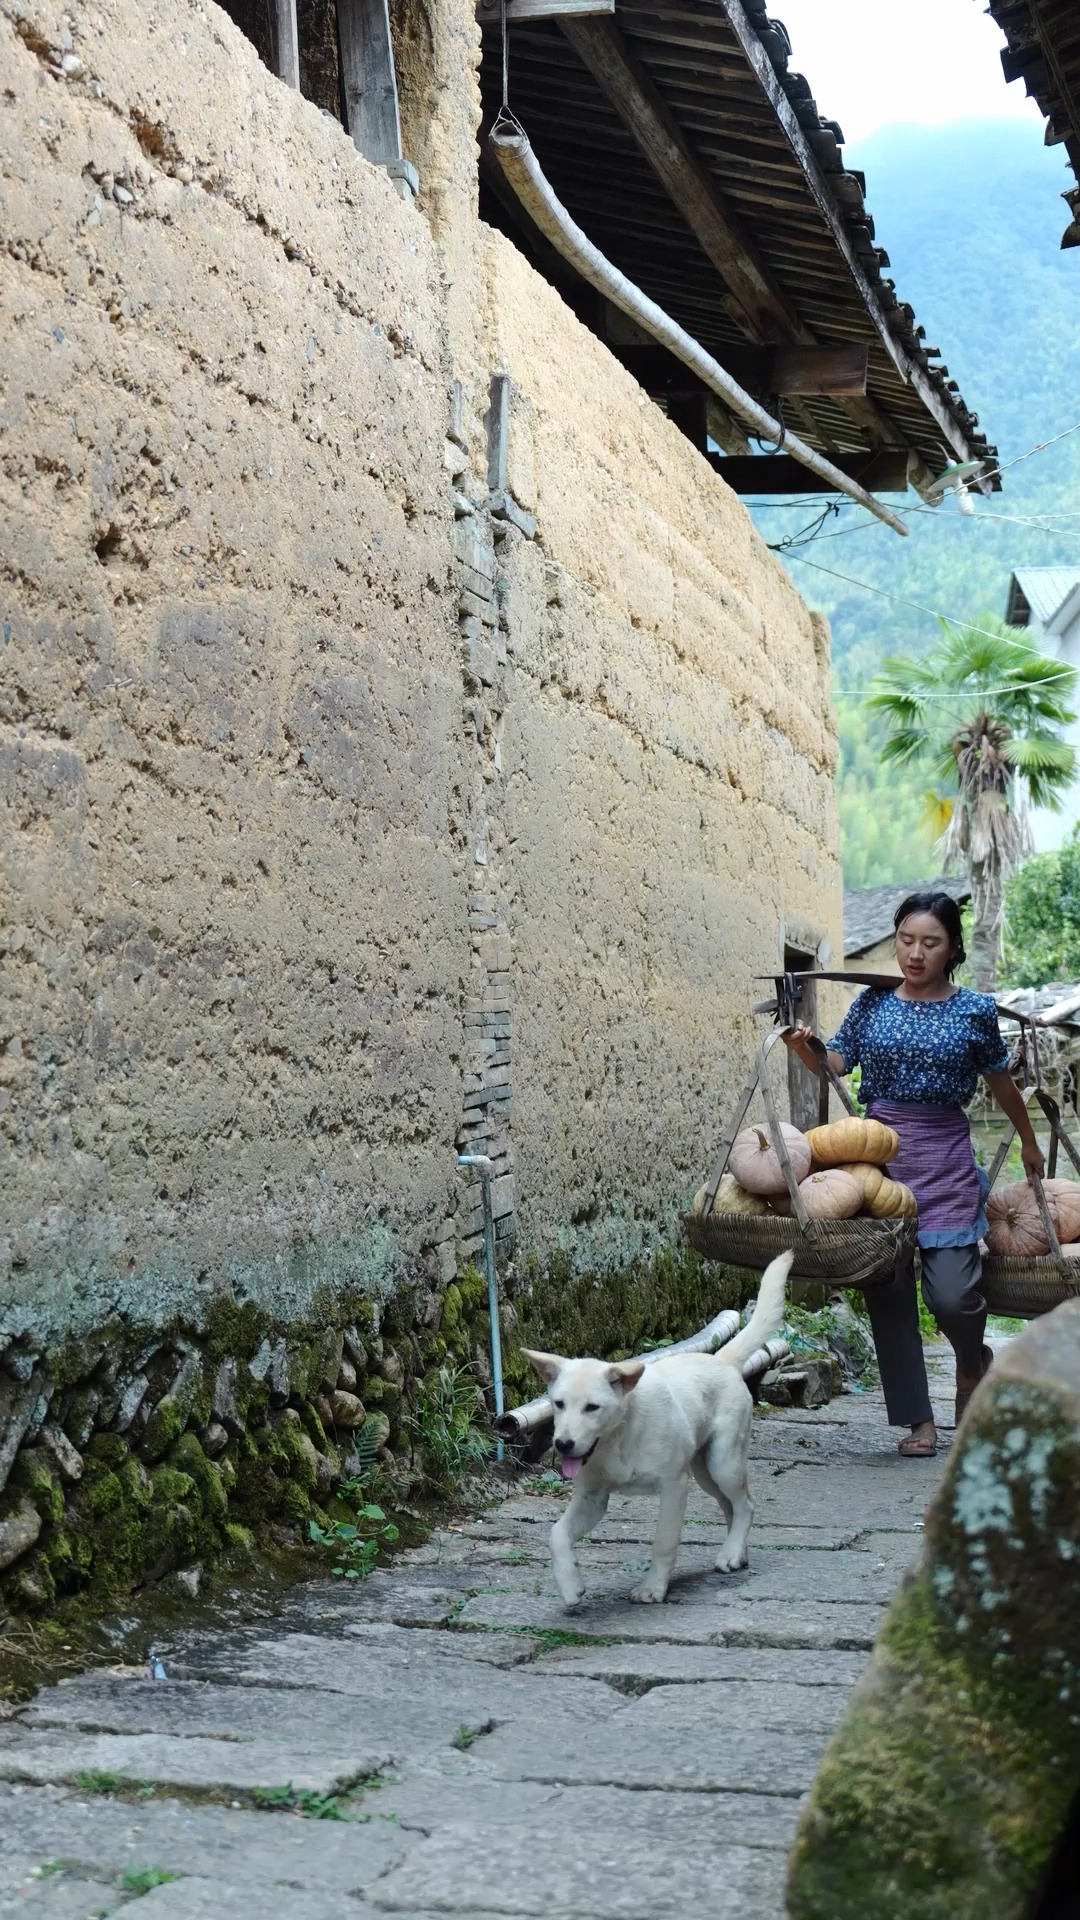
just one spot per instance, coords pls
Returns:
(787, 119)
(755, 299)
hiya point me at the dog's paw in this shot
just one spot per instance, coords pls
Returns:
(572, 1594)
(649, 1594)
(732, 1562)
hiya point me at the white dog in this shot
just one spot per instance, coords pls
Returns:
(628, 1428)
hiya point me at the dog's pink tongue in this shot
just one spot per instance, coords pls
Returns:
(570, 1467)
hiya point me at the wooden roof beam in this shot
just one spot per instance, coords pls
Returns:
(756, 301)
(916, 376)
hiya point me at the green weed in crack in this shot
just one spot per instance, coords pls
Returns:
(343, 1804)
(139, 1880)
(465, 1737)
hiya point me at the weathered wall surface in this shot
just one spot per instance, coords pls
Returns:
(407, 745)
(666, 783)
(233, 949)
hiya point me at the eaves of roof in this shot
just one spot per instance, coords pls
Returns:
(722, 71)
(1043, 51)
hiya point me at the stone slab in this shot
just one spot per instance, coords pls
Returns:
(714, 1620)
(636, 1668)
(64, 1896)
(605, 1874)
(766, 1706)
(200, 1899)
(403, 1715)
(561, 1816)
(106, 1836)
(162, 1760)
(718, 1759)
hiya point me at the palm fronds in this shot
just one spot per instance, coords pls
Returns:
(984, 711)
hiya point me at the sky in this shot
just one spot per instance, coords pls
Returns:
(871, 63)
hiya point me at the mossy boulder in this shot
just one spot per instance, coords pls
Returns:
(947, 1785)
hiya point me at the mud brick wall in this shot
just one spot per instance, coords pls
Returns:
(229, 720)
(407, 748)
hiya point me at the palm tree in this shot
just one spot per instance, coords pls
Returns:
(985, 711)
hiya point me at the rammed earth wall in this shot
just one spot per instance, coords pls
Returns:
(363, 802)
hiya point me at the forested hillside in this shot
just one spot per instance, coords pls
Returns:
(972, 220)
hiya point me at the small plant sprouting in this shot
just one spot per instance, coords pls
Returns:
(140, 1880)
(94, 1781)
(356, 1544)
(448, 1408)
(302, 1800)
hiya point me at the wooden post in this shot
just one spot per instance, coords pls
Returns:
(370, 84)
(286, 42)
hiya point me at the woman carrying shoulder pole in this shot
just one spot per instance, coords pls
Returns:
(922, 1047)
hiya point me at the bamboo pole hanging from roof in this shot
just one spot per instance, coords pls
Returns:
(518, 162)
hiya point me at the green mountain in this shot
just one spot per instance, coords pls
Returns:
(971, 217)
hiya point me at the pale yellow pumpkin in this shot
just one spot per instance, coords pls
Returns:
(831, 1194)
(844, 1142)
(893, 1201)
(869, 1178)
(731, 1198)
(1014, 1223)
(755, 1164)
(1064, 1198)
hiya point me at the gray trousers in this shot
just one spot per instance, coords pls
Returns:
(950, 1284)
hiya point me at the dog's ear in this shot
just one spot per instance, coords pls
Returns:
(547, 1364)
(625, 1374)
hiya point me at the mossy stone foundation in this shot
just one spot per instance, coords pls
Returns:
(177, 1445)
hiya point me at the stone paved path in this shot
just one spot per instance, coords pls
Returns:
(497, 1756)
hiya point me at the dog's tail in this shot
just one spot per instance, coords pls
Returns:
(768, 1315)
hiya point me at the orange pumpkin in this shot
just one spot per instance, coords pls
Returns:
(756, 1165)
(853, 1139)
(1014, 1223)
(893, 1201)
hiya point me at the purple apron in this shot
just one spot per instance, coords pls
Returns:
(937, 1162)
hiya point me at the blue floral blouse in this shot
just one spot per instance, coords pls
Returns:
(926, 1052)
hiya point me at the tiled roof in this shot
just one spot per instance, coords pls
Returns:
(1046, 589)
(762, 152)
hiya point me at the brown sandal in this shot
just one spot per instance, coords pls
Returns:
(921, 1446)
(963, 1394)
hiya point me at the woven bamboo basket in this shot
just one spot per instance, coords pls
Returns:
(840, 1253)
(1022, 1289)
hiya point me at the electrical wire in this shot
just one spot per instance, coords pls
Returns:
(953, 619)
